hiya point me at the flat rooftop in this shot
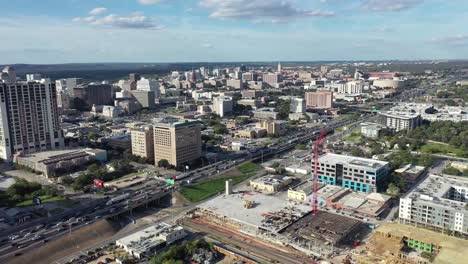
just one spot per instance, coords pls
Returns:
(232, 206)
(173, 122)
(272, 179)
(357, 161)
(53, 154)
(435, 189)
(325, 226)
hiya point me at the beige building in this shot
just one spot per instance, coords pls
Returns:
(270, 183)
(177, 141)
(322, 100)
(273, 127)
(143, 142)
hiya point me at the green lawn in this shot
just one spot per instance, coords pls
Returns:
(435, 148)
(355, 137)
(204, 190)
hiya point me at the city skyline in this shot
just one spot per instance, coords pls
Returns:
(69, 31)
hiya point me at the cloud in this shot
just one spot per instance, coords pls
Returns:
(150, 2)
(98, 11)
(384, 29)
(389, 5)
(207, 45)
(260, 11)
(188, 10)
(457, 40)
(133, 21)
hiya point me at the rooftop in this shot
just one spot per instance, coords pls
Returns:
(272, 179)
(173, 122)
(363, 162)
(437, 189)
(232, 207)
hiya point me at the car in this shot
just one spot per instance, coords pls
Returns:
(14, 237)
(18, 254)
(21, 246)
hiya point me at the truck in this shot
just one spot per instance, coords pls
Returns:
(118, 198)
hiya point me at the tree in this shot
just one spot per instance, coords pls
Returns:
(164, 163)
(357, 152)
(300, 147)
(220, 129)
(393, 190)
(67, 180)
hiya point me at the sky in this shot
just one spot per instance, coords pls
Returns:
(72, 31)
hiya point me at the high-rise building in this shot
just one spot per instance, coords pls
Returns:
(272, 78)
(145, 98)
(298, 105)
(94, 94)
(222, 105)
(8, 75)
(279, 67)
(359, 174)
(352, 87)
(320, 100)
(149, 85)
(33, 77)
(249, 76)
(143, 142)
(177, 141)
(65, 91)
(29, 118)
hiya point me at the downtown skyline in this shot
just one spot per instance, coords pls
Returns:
(67, 31)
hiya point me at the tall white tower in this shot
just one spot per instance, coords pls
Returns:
(279, 67)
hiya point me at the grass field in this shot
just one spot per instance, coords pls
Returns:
(435, 148)
(204, 190)
(355, 137)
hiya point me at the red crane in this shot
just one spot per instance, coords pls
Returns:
(316, 154)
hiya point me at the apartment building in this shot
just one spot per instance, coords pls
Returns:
(143, 141)
(359, 174)
(223, 105)
(28, 118)
(439, 202)
(298, 105)
(319, 100)
(400, 120)
(274, 128)
(177, 141)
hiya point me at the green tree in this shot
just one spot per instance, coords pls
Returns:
(393, 190)
(164, 163)
(300, 147)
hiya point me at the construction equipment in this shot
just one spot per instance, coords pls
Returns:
(248, 204)
(316, 154)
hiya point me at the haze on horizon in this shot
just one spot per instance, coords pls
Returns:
(68, 31)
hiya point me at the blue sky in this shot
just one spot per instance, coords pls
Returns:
(65, 31)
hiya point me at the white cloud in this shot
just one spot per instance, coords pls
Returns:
(207, 45)
(150, 2)
(98, 11)
(389, 5)
(260, 11)
(133, 21)
(189, 10)
(456, 40)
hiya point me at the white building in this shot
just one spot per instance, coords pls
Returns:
(400, 120)
(222, 105)
(29, 118)
(352, 87)
(33, 77)
(149, 85)
(298, 105)
(151, 240)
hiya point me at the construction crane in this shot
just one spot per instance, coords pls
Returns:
(316, 154)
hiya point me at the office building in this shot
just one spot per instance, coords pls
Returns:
(298, 105)
(359, 174)
(319, 100)
(324, 69)
(272, 79)
(371, 130)
(251, 94)
(352, 87)
(8, 75)
(270, 184)
(439, 202)
(145, 98)
(266, 113)
(273, 128)
(222, 105)
(177, 141)
(236, 84)
(31, 77)
(249, 76)
(29, 118)
(65, 91)
(305, 76)
(143, 142)
(94, 94)
(149, 85)
(400, 120)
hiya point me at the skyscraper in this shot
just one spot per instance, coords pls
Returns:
(279, 67)
(29, 118)
(8, 75)
(177, 141)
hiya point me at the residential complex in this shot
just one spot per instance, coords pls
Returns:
(400, 121)
(29, 118)
(177, 141)
(319, 100)
(359, 174)
(439, 202)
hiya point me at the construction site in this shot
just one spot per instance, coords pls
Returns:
(398, 243)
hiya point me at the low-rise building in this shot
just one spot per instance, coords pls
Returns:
(254, 103)
(410, 173)
(371, 130)
(266, 113)
(151, 240)
(274, 128)
(251, 133)
(53, 163)
(400, 120)
(270, 183)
